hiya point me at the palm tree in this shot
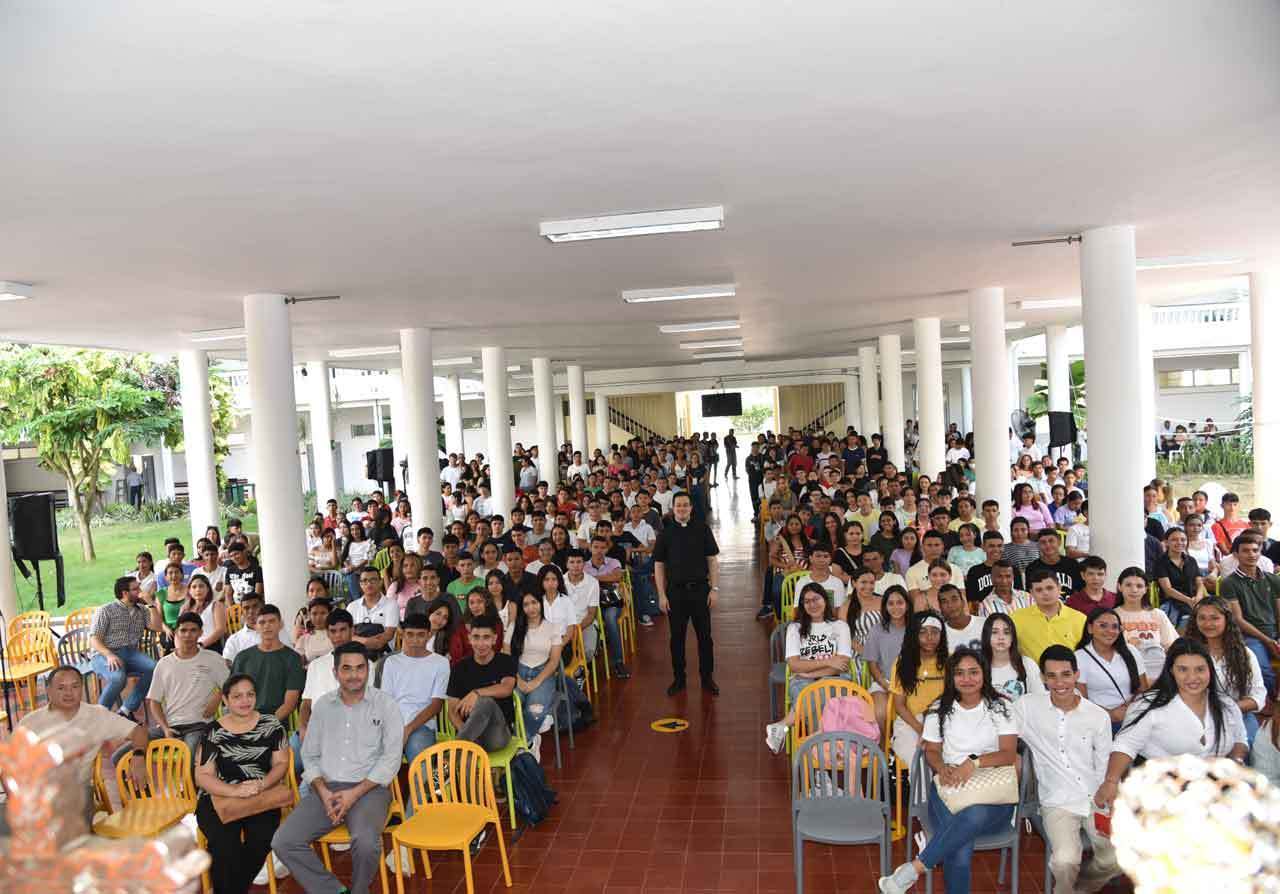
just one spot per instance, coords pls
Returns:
(1038, 402)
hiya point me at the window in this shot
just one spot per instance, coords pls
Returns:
(589, 411)
(386, 428)
(363, 430)
(1218, 377)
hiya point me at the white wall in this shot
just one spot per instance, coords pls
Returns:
(25, 475)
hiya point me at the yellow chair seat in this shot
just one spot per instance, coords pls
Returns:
(440, 826)
(142, 818)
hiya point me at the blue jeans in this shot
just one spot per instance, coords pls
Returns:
(133, 662)
(642, 589)
(612, 635)
(953, 835)
(1251, 725)
(1254, 645)
(353, 585)
(536, 704)
(419, 741)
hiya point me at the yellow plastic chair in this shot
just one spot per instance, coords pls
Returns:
(28, 621)
(340, 835)
(206, 884)
(899, 826)
(81, 617)
(787, 602)
(578, 661)
(29, 655)
(235, 618)
(168, 796)
(1153, 594)
(813, 698)
(451, 790)
(627, 620)
(602, 648)
(101, 799)
(500, 759)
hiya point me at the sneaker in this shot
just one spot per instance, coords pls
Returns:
(282, 871)
(646, 621)
(406, 861)
(341, 846)
(478, 842)
(765, 612)
(620, 671)
(903, 878)
(547, 723)
(775, 736)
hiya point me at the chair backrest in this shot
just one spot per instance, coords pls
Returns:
(168, 774)
(577, 652)
(778, 645)
(81, 617)
(922, 782)
(841, 765)
(149, 645)
(101, 799)
(453, 772)
(814, 697)
(73, 647)
(31, 645)
(35, 620)
(235, 617)
(788, 601)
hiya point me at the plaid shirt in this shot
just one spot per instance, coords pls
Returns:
(119, 625)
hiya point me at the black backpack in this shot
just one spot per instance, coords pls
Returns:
(533, 797)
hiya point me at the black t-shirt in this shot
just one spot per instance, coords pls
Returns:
(469, 675)
(978, 583)
(683, 549)
(526, 583)
(1183, 579)
(876, 458)
(847, 563)
(446, 574)
(242, 581)
(1066, 572)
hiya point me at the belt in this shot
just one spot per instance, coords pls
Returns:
(687, 584)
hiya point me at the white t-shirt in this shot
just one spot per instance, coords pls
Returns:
(887, 580)
(563, 613)
(360, 551)
(825, 639)
(1110, 687)
(583, 469)
(837, 592)
(183, 686)
(970, 636)
(451, 474)
(1005, 680)
(247, 638)
(1078, 537)
(386, 611)
(918, 576)
(414, 682)
(538, 642)
(955, 454)
(585, 594)
(975, 730)
(663, 499)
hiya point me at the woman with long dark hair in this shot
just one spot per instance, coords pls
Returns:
(1213, 624)
(442, 613)
(848, 550)
(907, 553)
(884, 644)
(819, 647)
(535, 644)
(970, 728)
(1012, 674)
(887, 536)
(917, 679)
(1147, 630)
(1185, 712)
(1110, 673)
(1027, 505)
(212, 612)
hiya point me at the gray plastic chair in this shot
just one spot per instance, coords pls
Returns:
(1036, 822)
(1007, 840)
(777, 667)
(841, 795)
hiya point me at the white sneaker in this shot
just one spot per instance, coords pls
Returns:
(547, 723)
(344, 846)
(406, 861)
(775, 736)
(536, 747)
(902, 880)
(282, 871)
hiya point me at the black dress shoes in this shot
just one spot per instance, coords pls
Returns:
(677, 685)
(709, 685)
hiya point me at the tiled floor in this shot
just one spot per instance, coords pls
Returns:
(702, 810)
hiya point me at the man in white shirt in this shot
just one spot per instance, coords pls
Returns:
(663, 496)
(247, 636)
(584, 590)
(963, 630)
(932, 547)
(483, 504)
(820, 574)
(1070, 740)
(587, 529)
(874, 562)
(577, 468)
(186, 685)
(374, 608)
(956, 452)
(418, 679)
(1029, 448)
(452, 473)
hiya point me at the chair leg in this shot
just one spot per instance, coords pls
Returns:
(382, 867)
(511, 797)
(1004, 856)
(555, 729)
(799, 862)
(426, 862)
(502, 851)
(395, 848)
(773, 700)
(466, 865)
(324, 855)
(271, 873)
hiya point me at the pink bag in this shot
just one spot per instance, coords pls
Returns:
(849, 714)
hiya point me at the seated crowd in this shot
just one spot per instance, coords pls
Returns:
(397, 636)
(973, 647)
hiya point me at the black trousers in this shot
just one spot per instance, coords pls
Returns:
(237, 849)
(689, 603)
(753, 485)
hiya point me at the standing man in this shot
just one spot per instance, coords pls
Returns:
(687, 574)
(133, 480)
(755, 478)
(116, 638)
(731, 455)
(352, 752)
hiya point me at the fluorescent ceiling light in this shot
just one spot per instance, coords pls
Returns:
(365, 352)
(685, 293)
(523, 376)
(645, 223)
(958, 340)
(1009, 325)
(714, 355)
(510, 369)
(210, 335)
(715, 343)
(708, 326)
(1184, 261)
(454, 361)
(1048, 303)
(14, 291)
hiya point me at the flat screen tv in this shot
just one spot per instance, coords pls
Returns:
(725, 404)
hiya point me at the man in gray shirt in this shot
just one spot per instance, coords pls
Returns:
(351, 754)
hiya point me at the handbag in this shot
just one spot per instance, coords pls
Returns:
(987, 785)
(230, 809)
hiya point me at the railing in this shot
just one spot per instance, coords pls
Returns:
(819, 422)
(626, 423)
(1198, 315)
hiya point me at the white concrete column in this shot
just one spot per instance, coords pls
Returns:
(197, 439)
(602, 422)
(396, 407)
(931, 413)
(453, 416)
(274, 442)
(498, 429)
(966, 399)
(416, 429)
(1015, 380)
(165, 486)
(1147, 388)
(8, 587)
(320, 409)
(561, 436)
(1245, 362)
(852, 403)
(1119, 436)
(990, 415)
(1264, 316)
(1059, 368)
(578, 410)
(869, 386)
(892, 417)
(545, 408)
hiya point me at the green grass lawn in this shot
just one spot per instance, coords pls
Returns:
(89, 583)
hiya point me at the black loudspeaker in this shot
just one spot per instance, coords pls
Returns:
(35, 527)
(1062, 428)
(380, 464)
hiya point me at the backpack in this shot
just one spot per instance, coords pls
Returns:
(533, 799)
(850, 714)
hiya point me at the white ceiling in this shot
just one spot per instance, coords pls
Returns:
(160, 160)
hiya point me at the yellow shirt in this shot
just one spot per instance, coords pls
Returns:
(929, 686)
(958, 523)
(1036, 632)
(870, 523)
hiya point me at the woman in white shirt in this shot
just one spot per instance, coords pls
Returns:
(1110, 675)
(970, 728)
(355, 556)
(535, 644)
(819, 646)
(1013, 674)
(1185, 712)
(1239, 675)
(1148, 631)
(1203, 549)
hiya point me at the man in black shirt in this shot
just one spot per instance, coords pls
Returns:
(755, 478)
(244, 574)
(480, 687)
(979, 582)
(687, 575)
(731, 454)
(521, 581)
(1065, 571)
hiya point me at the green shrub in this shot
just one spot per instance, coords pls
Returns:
(1221, 456)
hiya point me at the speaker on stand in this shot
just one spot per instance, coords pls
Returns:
(34, 521)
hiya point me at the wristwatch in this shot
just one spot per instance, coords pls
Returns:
(977, 761)
(717, 589)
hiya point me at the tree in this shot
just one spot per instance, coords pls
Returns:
(82, 410)
(1038, 402)
(753, 419)
(166, 377)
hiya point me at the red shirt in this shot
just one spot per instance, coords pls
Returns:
(1080, 601)
(1225, 531)
(800, 462)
